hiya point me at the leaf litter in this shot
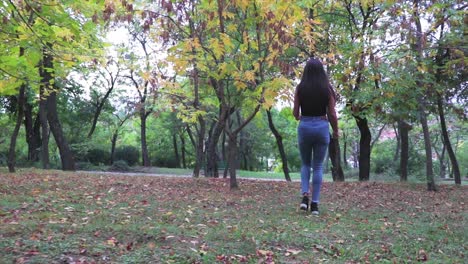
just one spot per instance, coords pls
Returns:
(77, 218)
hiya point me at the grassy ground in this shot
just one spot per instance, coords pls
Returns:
(58, 217)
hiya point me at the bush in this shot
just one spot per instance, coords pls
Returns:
(165, 162)
(98, 156)
(120, 165)
(130, 154)
(382, 157)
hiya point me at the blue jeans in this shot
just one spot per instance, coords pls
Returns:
(313, 137)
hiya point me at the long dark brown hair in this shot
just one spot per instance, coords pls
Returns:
(315, 79)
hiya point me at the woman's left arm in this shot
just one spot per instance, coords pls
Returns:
(296, 105)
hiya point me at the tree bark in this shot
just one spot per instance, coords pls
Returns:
(398, 141)
(144, 145)
(46, 78)
(232, 154)
(334, 154)
(100, 104)
(182, 150)
(422, 108)
(428, 148)
(443, 167)
(19, 118)
(115, 135)
(364, 148)
(447, 144)
(176, 150)
(113, 144)
(33, 133)
(279, 143)
(66, 156)
(404, 128)
(345, 146)
(211, 169)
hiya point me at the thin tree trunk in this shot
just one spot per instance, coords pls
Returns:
(176, 150)
(443, 167)
(404, 128)
(19, 118)
(115, 136)
(232, 154)
(422, 108)
(200, 143)
(345, 147)
(113, 143)
(211, 156)
(428, 149)
(45, 81)
(447, 144)
(182, 150)
(144, 145)
(398, 141)
(100, 104)
(334, 154)
(279, 143)
(377, 137)
(364, 148)
(33, 133)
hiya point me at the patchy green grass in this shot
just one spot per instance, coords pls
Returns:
(58, 217)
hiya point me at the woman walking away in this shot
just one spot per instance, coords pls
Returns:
(315, 99)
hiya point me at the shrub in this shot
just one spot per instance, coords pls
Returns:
(166, 162)
(98, 156)
(130, 154)
(119, 165)
(382, 157)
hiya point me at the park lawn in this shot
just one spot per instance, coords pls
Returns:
(65, 217)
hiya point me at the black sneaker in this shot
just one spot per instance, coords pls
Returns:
(305, 203)
(314, 208)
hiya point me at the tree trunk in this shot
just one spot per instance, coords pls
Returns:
(447, 144)
(428, 148)
(66, 156)
(404, 128)
(398, 141)
(44, 130)
(199, 147)
(144, 145)
(232, 155)
(334, 154)
(49, 108)
(364, 148)
(279, 143)
(113, 143)
(443, 167)
(182, 150)
(176, 150)
(33, 133)
(100, 105)
(19, 118)
(46, 78)
(345, 146)
(419, 37)
(211, 156)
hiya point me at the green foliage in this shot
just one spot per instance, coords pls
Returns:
(98, 156)
(130, 154)
(462, 156)
(166, 161)
(382, 157)
(120, 165)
